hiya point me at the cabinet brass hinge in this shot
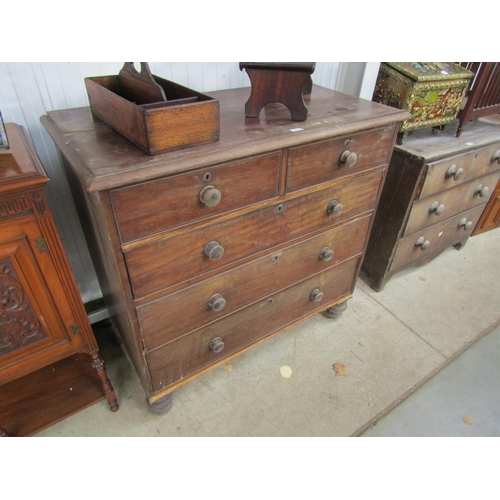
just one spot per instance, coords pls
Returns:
(41, 244)
(75, 328)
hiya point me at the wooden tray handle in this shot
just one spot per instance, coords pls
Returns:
(142, 85)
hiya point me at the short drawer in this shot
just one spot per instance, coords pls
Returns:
(450, 172)
(442, 234)
(190, 308)
(321, 162)
(173, 260)
(156, 206)
(440, 206)
(187, 355)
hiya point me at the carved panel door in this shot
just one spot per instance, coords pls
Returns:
(32, 329)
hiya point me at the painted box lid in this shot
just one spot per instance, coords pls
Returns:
(431, 71)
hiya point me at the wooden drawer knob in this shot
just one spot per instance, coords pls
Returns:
(422, 243)
(481, 190)
(217, 302)
(210, 196)
(454, 173)
(213, 250)
(436, 208)
(326, 254)
(348, 158)
(335, 208)
(316, 295)
(496, 156)
(216, 345)
(465, 224)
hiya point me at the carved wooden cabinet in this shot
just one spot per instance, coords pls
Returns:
(206, 251)
(436, 190)
(44, 329)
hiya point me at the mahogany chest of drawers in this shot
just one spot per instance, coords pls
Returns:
(50, 366)
(208, 250)
(436, 190)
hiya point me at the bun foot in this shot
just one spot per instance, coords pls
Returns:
(163, 405)
(336, 311)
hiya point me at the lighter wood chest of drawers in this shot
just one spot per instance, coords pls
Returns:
(436, 190)
(206, 251)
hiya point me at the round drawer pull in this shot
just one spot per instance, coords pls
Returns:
(481, 190)
(465, 224)
(437, 208)
(210, 196)
(422, 243)
(454, 172)
(213, 250)
(326, 254)
(217, 302)
(348, 159)
(316, 295)
(216, 345)
(496, 156)
(335, 208)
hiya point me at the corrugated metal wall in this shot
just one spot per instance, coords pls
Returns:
(29, 90)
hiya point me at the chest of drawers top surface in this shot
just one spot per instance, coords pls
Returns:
(424, 144)
(102, 159)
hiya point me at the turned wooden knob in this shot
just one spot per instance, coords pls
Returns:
(496, 156)
(210, 196)
(454, 172)
(326, 254)
(348, 159)
(465, 224)
(436, 208)
(213, 250)
(481, 190)
(216, 345)
(422, 243)
(217, 302)
(316, 295)
(335, 208)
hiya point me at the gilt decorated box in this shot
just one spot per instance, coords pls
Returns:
(432, 92)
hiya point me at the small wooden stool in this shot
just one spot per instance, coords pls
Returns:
(286, 83)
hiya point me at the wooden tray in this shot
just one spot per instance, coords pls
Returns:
(155, 114)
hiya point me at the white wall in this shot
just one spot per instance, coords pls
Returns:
(29, 90)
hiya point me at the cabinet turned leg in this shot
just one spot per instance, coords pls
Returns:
(107, 387)
(163, 405)
(336, 311)
(3, 432)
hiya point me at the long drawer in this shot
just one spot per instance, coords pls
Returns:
(192, 307)
(324, 161)
(436, 208)
(451, 172)
(445, 233)
(176, 360)
(166, 262)
(155, 206)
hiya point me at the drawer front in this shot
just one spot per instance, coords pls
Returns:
(185, 356)
(322, 162)
(164, 263)
(450, 202)
(442, 234)
(448, 173)
(190, 308)
(156, 206)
